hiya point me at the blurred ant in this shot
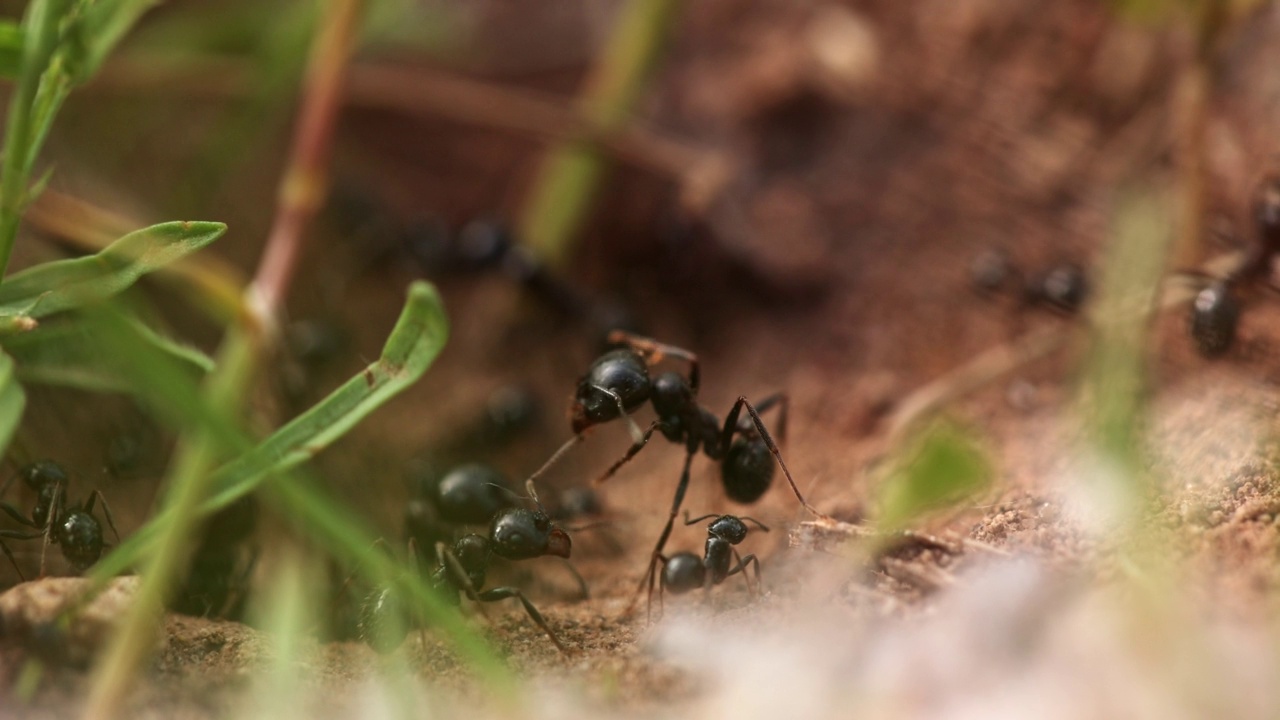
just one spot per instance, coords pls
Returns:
(685, 571)
(1215, 310)
(621, 381)
(1063, 287)
(74, 528)
(514, 534)
(217, 577)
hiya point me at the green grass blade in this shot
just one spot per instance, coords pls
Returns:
(10, 50)
(66, 284)
(12, 401)
(411, 348)
(40, 30)
(105, 23)
(947, 466)
(347, 539)
(69, 353)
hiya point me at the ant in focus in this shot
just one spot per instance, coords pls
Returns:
(685, 571)
(515, 533)
(72, 527)
(621, 381)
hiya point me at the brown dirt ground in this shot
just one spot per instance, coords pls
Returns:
(833, 267)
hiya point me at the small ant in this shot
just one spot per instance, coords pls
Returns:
(685, 571)
(514, 534)
(72, 527)
(1063, 287)
(1215, 311)
(621, 381)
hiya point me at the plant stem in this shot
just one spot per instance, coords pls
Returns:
(565, 187)
(40, 32)
(300, 192)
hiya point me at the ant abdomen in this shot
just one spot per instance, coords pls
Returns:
(683, 572)
(747, 470)
(1215, 313)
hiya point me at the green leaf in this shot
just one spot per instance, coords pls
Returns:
(70, 353)
(66, 284)
(946, 468)
(412, 347)
(105, 23)
(10, 49)
(12, 401)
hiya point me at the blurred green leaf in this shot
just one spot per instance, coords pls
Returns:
(66, 284)
(946, 468)
(412, 347)
(69, 353)
(10, 49)
(104, 24)
(12, 401)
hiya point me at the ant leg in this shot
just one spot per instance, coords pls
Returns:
(56, 510)
(676, 502)
(17, 515)
(741, 568)
(502, 593)
(459, 576)
(12, 560)
(106, 510)
(635, 448)
(653, 352)
(583, 590)
(783, 401)
(726, 437)
(662, 591)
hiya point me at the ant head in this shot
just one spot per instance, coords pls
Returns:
(43, 473)
(521, 534)
(618, 377)
(729, 528)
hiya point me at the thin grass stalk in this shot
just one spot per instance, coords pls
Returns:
(565, 187)
(300, 192)
(40, 32)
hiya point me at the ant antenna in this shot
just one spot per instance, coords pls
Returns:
(555, 457)
(533, 495)
(637, 435)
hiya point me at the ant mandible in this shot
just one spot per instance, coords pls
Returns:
(621, 381)
(514, 534)
(72, 527)
(685, 571)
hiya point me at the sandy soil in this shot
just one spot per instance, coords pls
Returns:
(834, 266)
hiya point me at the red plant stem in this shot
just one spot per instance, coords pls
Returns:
(303, 186)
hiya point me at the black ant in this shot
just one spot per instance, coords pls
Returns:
(469, 494)
(514, 534)
(218, 573)
(1215, 310)
(685, 571)
(72, 527)
(1062, 287)
(621, 381)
